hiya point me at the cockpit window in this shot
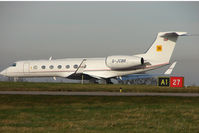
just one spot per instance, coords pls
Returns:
(14, 65)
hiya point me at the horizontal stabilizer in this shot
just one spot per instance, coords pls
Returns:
(172, 33)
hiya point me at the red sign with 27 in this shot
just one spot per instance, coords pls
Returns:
(176, 81)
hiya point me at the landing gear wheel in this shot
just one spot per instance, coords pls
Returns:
(108, 81)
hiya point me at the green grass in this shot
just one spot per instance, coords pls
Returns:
(87, 114)
(27, 86)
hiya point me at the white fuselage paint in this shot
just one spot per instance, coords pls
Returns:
(95, 67)
(158, 55)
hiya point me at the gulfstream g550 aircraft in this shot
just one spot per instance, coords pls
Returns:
(157, 55)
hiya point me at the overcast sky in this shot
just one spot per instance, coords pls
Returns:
(38, 30)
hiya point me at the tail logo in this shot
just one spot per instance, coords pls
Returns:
(159, 48)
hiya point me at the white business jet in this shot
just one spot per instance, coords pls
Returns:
(158, 55)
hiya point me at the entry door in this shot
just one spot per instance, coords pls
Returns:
(26, 68)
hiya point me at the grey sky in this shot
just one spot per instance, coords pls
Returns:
(38, 30)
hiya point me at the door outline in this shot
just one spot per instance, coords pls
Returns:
(26, 68)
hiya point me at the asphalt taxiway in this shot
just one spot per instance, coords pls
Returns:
(66, 93)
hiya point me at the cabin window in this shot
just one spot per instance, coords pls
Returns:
(75, 66)
(35, 67)
(67, 66)
(59, 66)
(43, 67)
(51, 66)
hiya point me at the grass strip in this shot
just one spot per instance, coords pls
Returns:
(88, 114)
(28, 86)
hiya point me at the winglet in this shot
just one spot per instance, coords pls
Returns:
(81, 67)
(169, 71)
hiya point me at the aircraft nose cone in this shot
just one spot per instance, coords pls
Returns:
(3, 73)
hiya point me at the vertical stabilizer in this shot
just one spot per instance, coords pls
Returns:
(162, 49)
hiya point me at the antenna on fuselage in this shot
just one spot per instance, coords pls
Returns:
(50, 58)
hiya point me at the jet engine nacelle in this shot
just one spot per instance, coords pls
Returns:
(123, 62)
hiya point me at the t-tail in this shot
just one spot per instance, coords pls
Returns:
(162, 48)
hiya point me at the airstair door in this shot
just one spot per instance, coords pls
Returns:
(26, 68)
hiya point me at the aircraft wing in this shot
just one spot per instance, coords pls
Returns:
(64, 75)
(142, 76)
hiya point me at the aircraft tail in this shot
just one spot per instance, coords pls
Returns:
(162, 48)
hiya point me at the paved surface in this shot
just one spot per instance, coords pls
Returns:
(59, 93)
